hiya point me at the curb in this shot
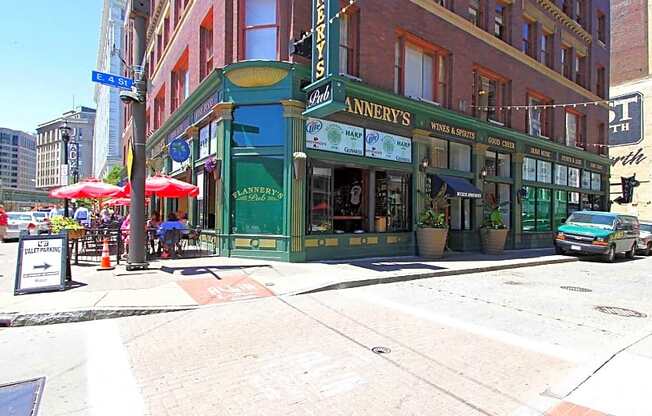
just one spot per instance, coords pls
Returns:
(16, 319)
(405, 278)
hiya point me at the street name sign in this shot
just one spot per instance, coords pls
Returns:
(41, 265)
(112, 80)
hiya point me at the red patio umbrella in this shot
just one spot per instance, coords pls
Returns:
(88, 188)
(165, 187)
(121, 202)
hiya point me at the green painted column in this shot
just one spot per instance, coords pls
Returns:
(295, 211)
(517, 173)
(192, 134)
(479, 152)
(223, 118)
(420, 140)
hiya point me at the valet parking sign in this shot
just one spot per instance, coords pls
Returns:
(41, 264)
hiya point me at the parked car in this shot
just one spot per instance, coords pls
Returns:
(41, 219)
(595, 232)
(645, 240)
(17, 222)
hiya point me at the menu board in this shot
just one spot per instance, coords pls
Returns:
(334, 137)
(387, 146)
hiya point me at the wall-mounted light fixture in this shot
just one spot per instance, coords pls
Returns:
(425, 163)
(299, 159)
(483, 173)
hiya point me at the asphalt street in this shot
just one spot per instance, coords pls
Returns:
(504, 343)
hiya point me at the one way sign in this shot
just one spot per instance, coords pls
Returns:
(112, 80)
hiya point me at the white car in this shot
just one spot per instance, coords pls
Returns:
(19, 221)
(645, 239)
(41, 219)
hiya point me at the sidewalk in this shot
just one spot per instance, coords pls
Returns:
(171, 285)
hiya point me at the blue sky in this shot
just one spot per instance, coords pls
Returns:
(47, 51)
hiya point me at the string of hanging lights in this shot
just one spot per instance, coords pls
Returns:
(331, 20)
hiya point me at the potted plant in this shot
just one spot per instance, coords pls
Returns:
(210, 166)
(75, 230)
(432, 229)
(493, 232)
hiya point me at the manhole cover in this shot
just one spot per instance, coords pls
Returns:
(513, 283)
(626, 313)
(576, 289)
(21, 398)
(381, 350)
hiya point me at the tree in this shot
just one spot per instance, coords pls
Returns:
(114, 175)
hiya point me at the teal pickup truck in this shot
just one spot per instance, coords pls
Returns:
(602, 233)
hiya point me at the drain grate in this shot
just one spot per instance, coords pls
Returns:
(512, 282)
(625, 313)
(381, 350)
(576, 289)
(21, 398)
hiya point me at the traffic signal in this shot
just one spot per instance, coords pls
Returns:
(627, 185)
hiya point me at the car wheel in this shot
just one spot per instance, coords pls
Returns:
(630, 254)
(648, 249)
(610, 257)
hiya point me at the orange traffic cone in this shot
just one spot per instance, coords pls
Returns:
(106, 257)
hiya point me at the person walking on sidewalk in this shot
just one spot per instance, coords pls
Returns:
(3, 223)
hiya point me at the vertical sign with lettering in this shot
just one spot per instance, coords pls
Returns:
(626, 120)
(325, 39)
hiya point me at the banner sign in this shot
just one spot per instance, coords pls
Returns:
(626, 120)
(334, 137)
(41, 265)
(387, 146)
(325, 39)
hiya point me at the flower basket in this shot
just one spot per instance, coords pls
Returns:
(76, 234)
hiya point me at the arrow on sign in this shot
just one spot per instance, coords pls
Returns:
(43, 266)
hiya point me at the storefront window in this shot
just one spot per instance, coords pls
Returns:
(529, 169)
(586, 179)
(574, 177)
(204, 141)
(213, 140)
(573, 202)
(596, 182)
(392, 202)
(460, 214)
(561, 175)
(321, 194)
(439, 153)
(460, 156)
(258, 126)
(200, 199)
(591, 202)
(560, 207)
(536, 209)
(544, 171)
(501, 193)
(257, 195)
(498, 164)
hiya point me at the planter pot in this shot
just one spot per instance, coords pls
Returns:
(493, 240)
(431, 242)
(76, 234)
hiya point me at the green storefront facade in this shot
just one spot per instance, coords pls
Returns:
(351, 183)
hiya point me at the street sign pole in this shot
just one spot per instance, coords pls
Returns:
(137, 236)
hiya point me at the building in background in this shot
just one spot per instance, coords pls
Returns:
(472, 94)
(630, 121)
(17, 159)
(49, 148)
(108, 120)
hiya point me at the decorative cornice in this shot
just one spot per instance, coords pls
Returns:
(191, 132)
(250, 77)
(293, 108)
(552, 8)
(223, 111)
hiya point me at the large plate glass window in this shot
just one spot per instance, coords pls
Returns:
(204, 141)
(544, 171)
(460, 156)
(586, 179)
(573, 202)
(498, 164)
(320, 202)
(561, 175)
(439, 153)
(392, 202)
(501, 192)
(596, 182)
(258, 126)
(460, 214)
(560, 208)
(529, 169)
(574, 177)
(536, 209)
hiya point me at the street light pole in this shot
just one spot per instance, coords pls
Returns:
(65, 138)
(137, 259)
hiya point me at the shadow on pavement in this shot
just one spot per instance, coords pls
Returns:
(194, 271)
(74, 284)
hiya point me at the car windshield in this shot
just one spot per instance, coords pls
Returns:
(20, 217)
(591, 220)
(646, 227)
(40, 215)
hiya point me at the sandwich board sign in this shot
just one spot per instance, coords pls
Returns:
(42, 264)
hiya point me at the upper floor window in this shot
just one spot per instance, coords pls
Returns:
(180, 82)
(206, 46)
(349, 42)
(539, 116)
(566, 61)
(602, 28)
(580, 70)
(475, 12)
(489, 95)
(579, 12)
(566, 7)
(178, 9)
(573, 137)
(601, 82)
(443, 3)
(166, 31)
(545, 52)
(422, 71)
(260, 31)
(159, 107)
(501, 21)
(527, 38)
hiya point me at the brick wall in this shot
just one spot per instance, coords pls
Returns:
(629, 29)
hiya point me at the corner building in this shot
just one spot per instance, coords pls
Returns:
(416, 94)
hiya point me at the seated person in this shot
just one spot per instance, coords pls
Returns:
(172, 223)
(184, 220)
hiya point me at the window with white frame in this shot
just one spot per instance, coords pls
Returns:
(561, 175)
(260, 31)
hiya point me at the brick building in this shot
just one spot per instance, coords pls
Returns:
(630, 140)
(416, 93)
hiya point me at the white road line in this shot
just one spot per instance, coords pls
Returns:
(551, 350)
(112, 389)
